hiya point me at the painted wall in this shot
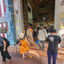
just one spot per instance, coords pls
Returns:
(9, 18)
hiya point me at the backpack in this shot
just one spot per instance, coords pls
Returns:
(37, 42)
(7, 42)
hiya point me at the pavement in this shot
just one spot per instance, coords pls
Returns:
(35, 56)
(31, 57)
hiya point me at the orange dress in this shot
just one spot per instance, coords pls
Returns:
(24, 47)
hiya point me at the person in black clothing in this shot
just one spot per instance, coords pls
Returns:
(34, 34)
(53, 40)
(3, 50)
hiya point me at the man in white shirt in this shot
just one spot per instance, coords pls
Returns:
(42, 36)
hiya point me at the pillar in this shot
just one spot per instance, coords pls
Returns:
(25, 13)
(57, 14)
(30, 19)
(18, 16)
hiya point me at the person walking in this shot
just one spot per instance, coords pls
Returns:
(30, 35)
(42, 36)
(24, 44)
(53, 40)
(4, 49)
(34, 35)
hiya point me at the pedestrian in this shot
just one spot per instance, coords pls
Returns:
(53, 40)
(34, 35)
(42, 36)
(30, 35)
(37, 32)
(4, 49)
(24, 44)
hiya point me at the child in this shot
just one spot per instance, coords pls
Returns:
(24, 45)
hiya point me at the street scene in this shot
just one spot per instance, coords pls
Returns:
(31, 31)
(38, 57)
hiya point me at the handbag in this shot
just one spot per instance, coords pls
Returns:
(37, 42)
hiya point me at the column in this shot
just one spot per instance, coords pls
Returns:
(57, 14)
(18, 13)
(25, 13)
(30, 19)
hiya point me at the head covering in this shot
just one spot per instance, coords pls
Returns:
(21, 35)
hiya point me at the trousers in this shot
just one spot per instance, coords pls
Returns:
(43, 43)
(54, 57)
(5, 54)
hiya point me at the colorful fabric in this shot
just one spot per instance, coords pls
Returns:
(2, 8)
(37, 42)
(24, 47)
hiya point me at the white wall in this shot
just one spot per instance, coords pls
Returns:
(57, 14)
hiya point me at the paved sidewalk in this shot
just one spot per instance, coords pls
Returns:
(38, 57)
(17, 58)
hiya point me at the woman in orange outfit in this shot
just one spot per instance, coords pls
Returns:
(24, 45)
(30, 35)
